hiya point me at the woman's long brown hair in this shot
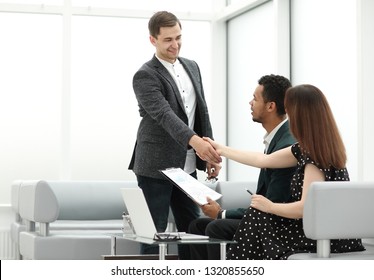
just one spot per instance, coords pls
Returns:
(313, 125)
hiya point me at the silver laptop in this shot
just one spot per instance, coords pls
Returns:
(141, 216)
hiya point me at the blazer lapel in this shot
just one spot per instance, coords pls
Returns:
(165, 73)
(275, 140)
(193, 76)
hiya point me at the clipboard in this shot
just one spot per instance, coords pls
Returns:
(193, 188)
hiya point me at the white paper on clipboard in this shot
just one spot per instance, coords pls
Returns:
(196, 190)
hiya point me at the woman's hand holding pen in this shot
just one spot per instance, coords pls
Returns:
(261, 203)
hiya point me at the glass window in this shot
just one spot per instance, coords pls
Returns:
(256, 54)
(324, 53)
(30, 91)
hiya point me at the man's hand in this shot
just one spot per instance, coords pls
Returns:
(215, 145)
(212, 170)
(204, 150)
(211, 209)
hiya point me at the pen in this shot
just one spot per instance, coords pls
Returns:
(251, 193)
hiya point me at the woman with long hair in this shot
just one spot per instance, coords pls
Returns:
(275, 230)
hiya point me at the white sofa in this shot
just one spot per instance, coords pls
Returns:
(17, 225)
(71, 219)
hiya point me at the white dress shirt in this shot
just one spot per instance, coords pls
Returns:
(188, 96)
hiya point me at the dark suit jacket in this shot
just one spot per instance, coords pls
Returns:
(272, 183)
(163, 133)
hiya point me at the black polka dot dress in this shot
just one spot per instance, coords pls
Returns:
(263, 236)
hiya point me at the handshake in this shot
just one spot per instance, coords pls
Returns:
(208, 151)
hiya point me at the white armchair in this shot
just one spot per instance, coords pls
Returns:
(339, 210)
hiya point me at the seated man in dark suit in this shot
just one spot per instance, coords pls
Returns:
(267, 108)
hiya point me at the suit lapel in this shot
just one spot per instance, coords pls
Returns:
(165, 73)
(193, 73)
(193, 76)
(280, 132)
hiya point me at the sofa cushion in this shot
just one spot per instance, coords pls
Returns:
(72, 245)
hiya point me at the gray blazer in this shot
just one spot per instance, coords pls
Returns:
(163, 133)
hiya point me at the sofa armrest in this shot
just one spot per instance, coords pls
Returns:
(338, 210)
(14, 196)
(37, 202)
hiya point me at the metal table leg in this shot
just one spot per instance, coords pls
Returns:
(113, 245)
(162, 253)
(222, 246)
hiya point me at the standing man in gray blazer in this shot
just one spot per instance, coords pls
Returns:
(175, 117)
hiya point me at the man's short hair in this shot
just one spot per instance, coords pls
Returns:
(161, 19)
(275, 87)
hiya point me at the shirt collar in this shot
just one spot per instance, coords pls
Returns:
(167, 64)
(268, 137)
